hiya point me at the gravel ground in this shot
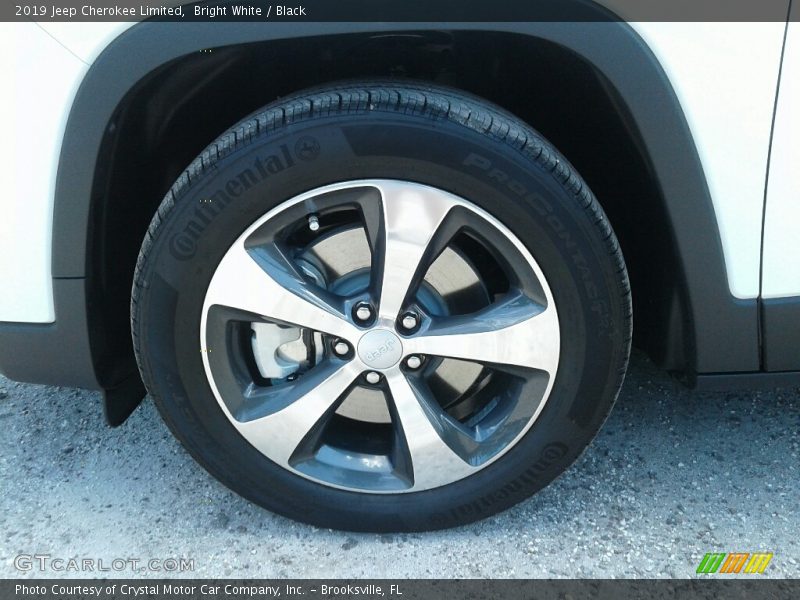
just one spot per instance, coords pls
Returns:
(672, 475)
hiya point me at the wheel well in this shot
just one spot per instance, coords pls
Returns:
(171, 115)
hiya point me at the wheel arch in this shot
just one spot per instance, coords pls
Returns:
(146, 83)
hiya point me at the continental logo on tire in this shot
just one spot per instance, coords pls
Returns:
(748, 563)
(183, 244)
(549, 456)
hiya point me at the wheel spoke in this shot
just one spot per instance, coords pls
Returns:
(411, 217)
(274, 291)
(280, 433)
(425, 427)
(516, 332)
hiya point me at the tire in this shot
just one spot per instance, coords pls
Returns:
(245, 368)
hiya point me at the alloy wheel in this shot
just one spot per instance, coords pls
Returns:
(380, 336)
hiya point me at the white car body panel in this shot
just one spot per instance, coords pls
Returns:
(85, 40)
(781, 275)
(725, 75)
(33, 112)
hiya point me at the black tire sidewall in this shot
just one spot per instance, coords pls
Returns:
(548, 218)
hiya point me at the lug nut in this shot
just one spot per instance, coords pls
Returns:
(363, 312)
(341, 348)
(373, 377)
(413, 362)
(409, 321)
(313, 223)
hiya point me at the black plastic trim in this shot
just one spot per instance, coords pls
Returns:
(52, 353)
(121, 400)
(722, 382)
(780, 320)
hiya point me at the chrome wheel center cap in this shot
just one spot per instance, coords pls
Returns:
(380, 349)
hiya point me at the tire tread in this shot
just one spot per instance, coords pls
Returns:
(423, 100)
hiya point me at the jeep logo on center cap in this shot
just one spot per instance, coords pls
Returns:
(380, 349)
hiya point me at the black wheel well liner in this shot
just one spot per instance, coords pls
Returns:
(161, 91)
